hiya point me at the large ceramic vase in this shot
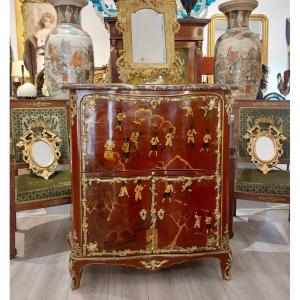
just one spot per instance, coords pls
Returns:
(69, 56)
(238, 51)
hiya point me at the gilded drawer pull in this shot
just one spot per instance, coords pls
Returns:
(161, 214)
(143, 214)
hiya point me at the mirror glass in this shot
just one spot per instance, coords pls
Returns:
(42, 153)
(265, 149)
(148, 37)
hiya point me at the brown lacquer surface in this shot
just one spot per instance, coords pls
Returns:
(149, 171)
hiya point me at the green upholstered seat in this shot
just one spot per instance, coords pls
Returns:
(33, 188)
(276, 182)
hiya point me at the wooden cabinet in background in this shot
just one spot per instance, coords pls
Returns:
(149, 176)
(188, 44)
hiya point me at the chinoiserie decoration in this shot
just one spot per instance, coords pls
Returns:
(206, 139)
(109, 150)
(40, 149)
(134, 138)
(197, 216)
(190, 135)
(126, 149)
(138, 190)
(264, 146)
(154, 144)
(169, 191)
(123, 190)
(169, 137)
(238, 51)
(120, 118)
(208, 223)
(69, 56)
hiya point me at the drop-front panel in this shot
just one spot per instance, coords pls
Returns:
(149, 173)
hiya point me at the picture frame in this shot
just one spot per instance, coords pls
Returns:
(30, 20)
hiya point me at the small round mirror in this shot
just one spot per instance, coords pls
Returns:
(42, 153)
(265, 149)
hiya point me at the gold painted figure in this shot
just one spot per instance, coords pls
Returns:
(120, 118)
(169, 138)
(169, 190)
(197, 220)
(154, 144)
(189, 111)
(190, 136)
(208, 221)
(187, 186)
(206, 139)
(109, 147)
(138, 190)
(134, 138)
(126, 148)
(123, 190)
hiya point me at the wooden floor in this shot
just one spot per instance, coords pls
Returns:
(260, 266)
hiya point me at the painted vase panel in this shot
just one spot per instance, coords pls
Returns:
(69, 56)
(238, 57)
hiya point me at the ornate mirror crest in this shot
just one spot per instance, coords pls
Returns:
(264, 146)
(40, 149)
(157, 19)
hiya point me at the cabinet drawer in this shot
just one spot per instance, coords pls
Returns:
(140, 213)
(179, 133)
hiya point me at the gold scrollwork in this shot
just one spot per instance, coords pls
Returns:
(73, 105)
(35, 137)
(75, 279)
(272, 134)
(226, 270)
(102, 75)
(225, 239)
(75, 248)
(153, 264)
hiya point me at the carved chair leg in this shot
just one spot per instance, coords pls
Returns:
(75, 269)
(225, 263)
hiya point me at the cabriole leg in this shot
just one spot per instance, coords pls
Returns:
(225, 262)
(75, 271)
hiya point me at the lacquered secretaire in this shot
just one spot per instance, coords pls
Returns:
(149, 175)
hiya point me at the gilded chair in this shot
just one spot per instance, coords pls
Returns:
(40, 156)
(260, 154)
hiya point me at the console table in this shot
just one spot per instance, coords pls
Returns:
(149, 175)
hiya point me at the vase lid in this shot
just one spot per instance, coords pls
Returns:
(238, 5)
(79, 3)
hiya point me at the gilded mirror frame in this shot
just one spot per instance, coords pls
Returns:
(130, 72)
(253, 17)
(271, 132)
(35, 134)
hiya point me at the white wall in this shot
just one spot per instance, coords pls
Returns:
(276, 10)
